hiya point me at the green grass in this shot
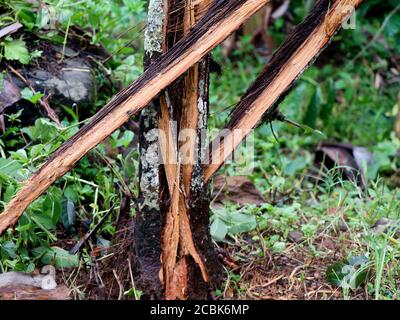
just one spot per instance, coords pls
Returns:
(339, 99)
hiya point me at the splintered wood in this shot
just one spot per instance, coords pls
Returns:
(260, 101)
(221, 20)
(177, 233)
(301, 48)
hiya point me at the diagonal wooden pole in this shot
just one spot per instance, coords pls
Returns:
(297, 53)
(223, 18)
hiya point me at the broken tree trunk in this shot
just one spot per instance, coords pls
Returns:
(194, 258)
(296, 54)
(173, 217)
(220, 20)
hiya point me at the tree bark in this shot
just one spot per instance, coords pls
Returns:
(287, 64)
(148, 220)
(173, 218)
(221, 20)
(176, 228)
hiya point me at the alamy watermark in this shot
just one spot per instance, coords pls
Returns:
(204, 147)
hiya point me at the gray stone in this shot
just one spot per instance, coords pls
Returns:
(74, 83)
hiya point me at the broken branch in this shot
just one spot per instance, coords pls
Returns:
(10, 29)
(221, 20)
(296, 54)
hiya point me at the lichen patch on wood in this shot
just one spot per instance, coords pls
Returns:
(154, 33)
(220, 20)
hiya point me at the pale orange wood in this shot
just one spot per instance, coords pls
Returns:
(189, 124)
(177, 219)
(170, 243)
(167, 142)
(178, 284)
(170, 239)
(293, 68)
(177, 223)
(190, 112)
(62, 163)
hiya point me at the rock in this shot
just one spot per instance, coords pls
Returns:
(74, 83)
(44, 280)
(32, 286)
(296, 236)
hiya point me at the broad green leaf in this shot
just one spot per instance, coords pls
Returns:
(26, 15)
(218, 230)
(56, 256)
(9, 193)
(27, 94)
(334, 273)
(237, 222)
(292, 166)
(36, 150)
(51, 207)
(348, 274)
(9, 167)
(19, 155)
(126, 139)
(68, 213)
(15, 49)
(8, 248)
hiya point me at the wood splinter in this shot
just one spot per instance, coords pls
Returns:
(288, 63)
(296, 54)
(220, 21)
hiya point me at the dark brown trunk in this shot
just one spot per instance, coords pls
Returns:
(186, 103)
